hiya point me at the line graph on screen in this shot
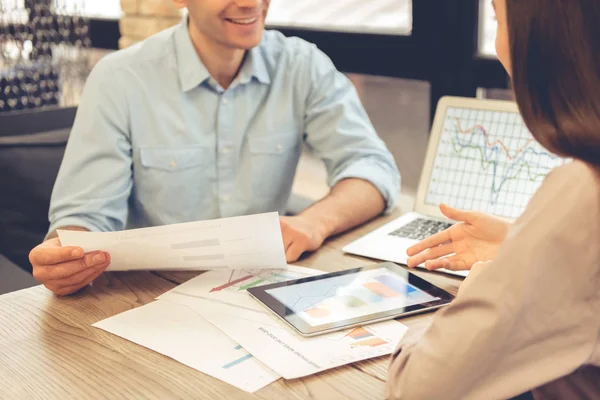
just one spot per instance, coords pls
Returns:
(488, 161)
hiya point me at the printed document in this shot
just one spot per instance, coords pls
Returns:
(246, 242)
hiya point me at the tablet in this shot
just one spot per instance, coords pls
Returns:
(341, 300)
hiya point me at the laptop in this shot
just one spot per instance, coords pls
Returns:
(480, 157)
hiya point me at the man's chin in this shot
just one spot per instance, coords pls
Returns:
(247, 43)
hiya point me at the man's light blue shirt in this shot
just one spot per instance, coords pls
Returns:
(157, 141)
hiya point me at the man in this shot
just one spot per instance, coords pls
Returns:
(207, 120)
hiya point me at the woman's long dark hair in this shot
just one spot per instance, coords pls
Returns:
(555, 58)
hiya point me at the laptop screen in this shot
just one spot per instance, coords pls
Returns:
(487, 161)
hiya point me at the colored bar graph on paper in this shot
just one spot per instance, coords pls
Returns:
(239, 360)
(381, 290)
(374, 342)
(255, 283)
(283, 275)
(394, 283)
(365, 338)
(230, 284)
(359, 333)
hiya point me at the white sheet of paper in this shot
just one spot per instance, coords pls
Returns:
(229, 287)
(183, 335)
(293, 356)
(247, 242)
(222, 300)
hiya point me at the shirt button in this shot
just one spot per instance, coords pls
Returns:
(225, 102)
(173, 164)
(226, 198)
(279, 148)
(226, 150)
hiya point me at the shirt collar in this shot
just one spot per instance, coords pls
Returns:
(255, 67)
(193, 73)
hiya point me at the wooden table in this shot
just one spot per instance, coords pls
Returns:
(48, 349)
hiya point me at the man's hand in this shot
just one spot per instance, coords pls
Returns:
(476, 238)
(65, 270)
(350, 202)
(300, 234)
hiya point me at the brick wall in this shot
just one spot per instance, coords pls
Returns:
(143, 18)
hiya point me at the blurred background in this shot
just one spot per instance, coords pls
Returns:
(401, 55)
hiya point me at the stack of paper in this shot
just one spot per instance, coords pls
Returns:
(222, 299)
(185, 336)
(188, 322)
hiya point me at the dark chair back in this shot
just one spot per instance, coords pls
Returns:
(32, 145)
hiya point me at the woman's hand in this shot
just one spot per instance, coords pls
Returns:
(475, 238)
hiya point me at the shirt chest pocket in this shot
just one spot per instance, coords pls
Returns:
(274, 159)
(175, 159)
(175, 179)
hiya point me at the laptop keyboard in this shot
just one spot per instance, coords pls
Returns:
(420, 228)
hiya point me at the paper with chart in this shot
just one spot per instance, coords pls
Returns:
(222, 299)
(293, 356)
(488, 161)
(229, 287)
(182, 334)
(246, 242)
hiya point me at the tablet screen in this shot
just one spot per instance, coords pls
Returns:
(338, 300)
(349, 296)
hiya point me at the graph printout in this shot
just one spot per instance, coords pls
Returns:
(488, 161)
(244, 242)
(221, 297)
(184, 335)
(230, 287)
(293, 356)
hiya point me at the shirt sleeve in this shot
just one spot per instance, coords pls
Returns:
(95, 179)
(338, 130)
(522, 320)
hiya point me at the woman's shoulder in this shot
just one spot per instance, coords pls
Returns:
(575, 169)
(565, 210)
(569, 189)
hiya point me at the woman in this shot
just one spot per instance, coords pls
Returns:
(529, 320)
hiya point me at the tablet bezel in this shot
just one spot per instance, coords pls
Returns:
(304, 329)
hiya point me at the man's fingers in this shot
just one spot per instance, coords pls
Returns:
(431, 254)
(294, 252)
(46, 255)
(287, 242)
(432, 241)
(73, 280)
(78, 277)
(64, 270)
(67, 290)
(286, 234)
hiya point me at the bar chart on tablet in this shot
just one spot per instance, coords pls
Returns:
(349, 296)
(488, 161)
